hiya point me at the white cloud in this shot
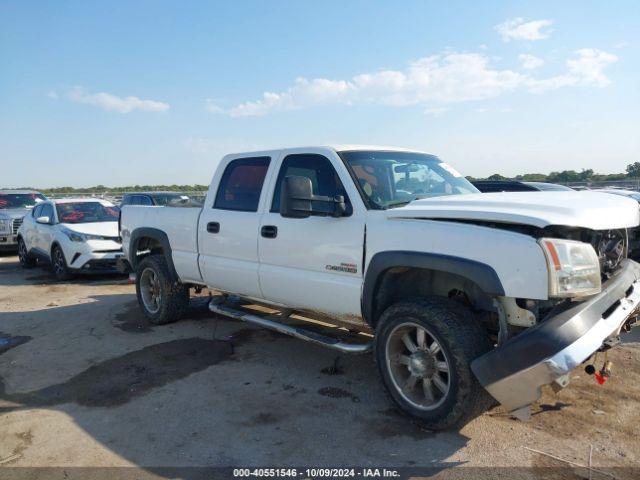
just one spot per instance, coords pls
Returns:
(519, 29)
(530, 62)
(430, 82)
(110, 102)
(447, 78)
(586, 69)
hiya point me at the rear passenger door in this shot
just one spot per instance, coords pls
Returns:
(229, 224)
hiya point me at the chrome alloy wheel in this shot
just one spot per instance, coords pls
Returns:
(150, 290)
(418, 366)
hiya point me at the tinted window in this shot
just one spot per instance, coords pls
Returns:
(241, 184)
(19, 200)
(86, 212)
(324, 179)
(47, 211)
(127, 200)
(144, 200)
(36, 211)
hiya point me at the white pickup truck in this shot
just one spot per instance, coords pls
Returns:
(463, 297)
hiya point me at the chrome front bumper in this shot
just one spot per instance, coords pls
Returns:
(514, 372)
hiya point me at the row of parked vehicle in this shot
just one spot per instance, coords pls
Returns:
(465, 298)
(72, 235)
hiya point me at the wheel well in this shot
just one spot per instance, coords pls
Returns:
(400, 283)
(145, 246)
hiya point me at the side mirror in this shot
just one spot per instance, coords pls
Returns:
(43, 220)
(296, 200)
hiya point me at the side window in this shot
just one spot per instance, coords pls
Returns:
(47, 211)
(241, 184)
(318, 169)
(144, 200)
(126, 200)
(35, 213)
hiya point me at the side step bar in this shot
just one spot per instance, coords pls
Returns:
(301, 333)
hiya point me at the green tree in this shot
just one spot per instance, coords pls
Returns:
(633, 169)
(496, 176)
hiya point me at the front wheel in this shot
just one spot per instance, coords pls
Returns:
(162, 299)
(26, 260)
(423, 350)
(59, 264)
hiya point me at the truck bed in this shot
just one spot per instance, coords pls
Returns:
(179, 224)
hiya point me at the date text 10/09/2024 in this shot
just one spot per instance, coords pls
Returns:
(315, 473)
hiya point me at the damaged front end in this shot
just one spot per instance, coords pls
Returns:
(514, 372)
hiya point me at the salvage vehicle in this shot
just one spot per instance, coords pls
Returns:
(14, 205)
(489, 186)
(72, 235)
(463, 297)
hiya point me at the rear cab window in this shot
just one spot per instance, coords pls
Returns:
(241, 184)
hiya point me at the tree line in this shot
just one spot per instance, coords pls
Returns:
(585, 175)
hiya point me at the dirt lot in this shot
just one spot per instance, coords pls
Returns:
(85, 381)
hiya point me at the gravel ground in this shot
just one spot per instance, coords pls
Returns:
(85, 381)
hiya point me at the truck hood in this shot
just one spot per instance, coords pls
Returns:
(597, 211)
(106, 229)
(13, 212)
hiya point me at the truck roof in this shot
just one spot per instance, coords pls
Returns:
(334, 147)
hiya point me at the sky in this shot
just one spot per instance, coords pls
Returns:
(156, 92)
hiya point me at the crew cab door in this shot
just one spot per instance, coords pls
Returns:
(313, 263)
(228, 226)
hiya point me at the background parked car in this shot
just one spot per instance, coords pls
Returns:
(162, 199)
(487, 186)
(73, 235)
(15, 204)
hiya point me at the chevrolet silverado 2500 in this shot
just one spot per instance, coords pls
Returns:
(463, 297)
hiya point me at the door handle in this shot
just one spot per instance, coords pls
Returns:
(269, 231)
(213, 227)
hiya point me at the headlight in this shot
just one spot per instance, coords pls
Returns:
(574, 268)
(5, 226)
(74, 236)
(82, 237)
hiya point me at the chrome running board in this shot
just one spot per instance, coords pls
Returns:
(297, 332)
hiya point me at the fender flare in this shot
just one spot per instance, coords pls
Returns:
(480, 273)
(156, 234)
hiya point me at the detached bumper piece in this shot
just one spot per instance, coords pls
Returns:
(545, 353)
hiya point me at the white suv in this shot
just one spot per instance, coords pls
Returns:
(73, 235)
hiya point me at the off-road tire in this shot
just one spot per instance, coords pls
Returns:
(26, 260)
(462, 339)
(59, 264)
(174, 296)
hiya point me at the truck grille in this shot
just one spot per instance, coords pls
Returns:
(15, 225)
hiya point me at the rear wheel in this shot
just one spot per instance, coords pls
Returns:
(26, 260)
(59, 264)
(423, 349)
(161, 298)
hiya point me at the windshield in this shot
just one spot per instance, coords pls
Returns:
(19, 200)
(86, 212)
(391, 179)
